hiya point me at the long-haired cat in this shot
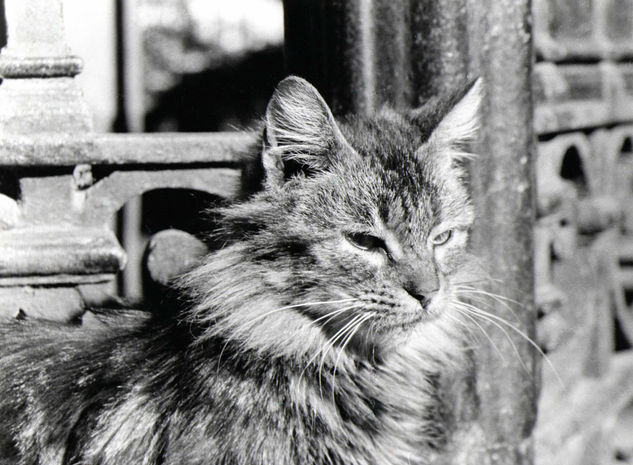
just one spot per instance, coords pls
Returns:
(315, 335)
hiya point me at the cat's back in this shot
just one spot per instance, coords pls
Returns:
(57, 379)
(126, 387)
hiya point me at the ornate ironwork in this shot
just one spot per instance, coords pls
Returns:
(61, 183)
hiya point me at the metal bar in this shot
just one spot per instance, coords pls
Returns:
(3, 26)
(503, 191)
(55, 253)
(131, 116)
(439, 47)
(49, 149)
(130, 64)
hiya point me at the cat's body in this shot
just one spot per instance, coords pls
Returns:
(315, 336)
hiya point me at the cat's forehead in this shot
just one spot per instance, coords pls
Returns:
(389, 148)
(388, 184)
(388, 137)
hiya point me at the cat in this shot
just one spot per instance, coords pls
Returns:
(316, 335)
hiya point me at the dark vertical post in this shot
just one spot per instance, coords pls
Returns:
(439, 51)
(503, 189)
(3, 26)
(129, 118)
(356, 52)
(362, 53)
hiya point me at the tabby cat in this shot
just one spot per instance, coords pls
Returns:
(315, 335)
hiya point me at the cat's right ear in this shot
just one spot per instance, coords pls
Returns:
(461, 122)
(300, 131)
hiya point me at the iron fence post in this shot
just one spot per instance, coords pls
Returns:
(503, 186)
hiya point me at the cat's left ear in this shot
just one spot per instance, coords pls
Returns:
(301, 132)
(460, 123)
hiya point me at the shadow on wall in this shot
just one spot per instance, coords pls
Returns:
(230, 97)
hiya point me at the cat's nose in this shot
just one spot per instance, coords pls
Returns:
(422, 285)
(421, 295)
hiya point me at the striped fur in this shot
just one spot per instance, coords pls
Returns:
(317, 335)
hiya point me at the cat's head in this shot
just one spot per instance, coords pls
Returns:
(362, 226)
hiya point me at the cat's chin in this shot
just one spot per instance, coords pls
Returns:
(407, 321)
(392, 333)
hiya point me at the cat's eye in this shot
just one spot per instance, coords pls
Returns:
(442, 238)
(366, 241)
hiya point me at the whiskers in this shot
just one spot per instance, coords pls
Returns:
(350, 334)
(342, 338)
(478, 311)
(250, 325)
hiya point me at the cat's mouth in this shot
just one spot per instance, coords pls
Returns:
(405, 321)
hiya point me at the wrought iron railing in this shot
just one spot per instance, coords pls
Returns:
(62, 183)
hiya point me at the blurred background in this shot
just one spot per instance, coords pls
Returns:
(176, 65)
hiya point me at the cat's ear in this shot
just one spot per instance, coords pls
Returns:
(459, 123)
(300, 130)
